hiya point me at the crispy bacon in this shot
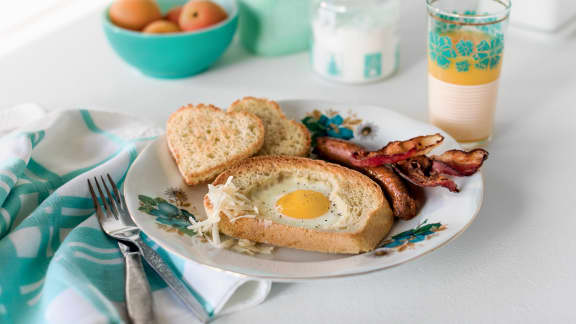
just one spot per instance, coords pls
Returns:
(404, 198)
(419, 171)
(397, 151)
(459, 163)
(409, 161)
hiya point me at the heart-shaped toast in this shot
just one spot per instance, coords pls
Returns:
(204, 140)
(283, 136)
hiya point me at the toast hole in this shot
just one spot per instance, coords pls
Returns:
(210, 156)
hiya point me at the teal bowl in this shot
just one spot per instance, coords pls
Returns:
(175, 55)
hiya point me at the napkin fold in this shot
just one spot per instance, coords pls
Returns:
(56, 265)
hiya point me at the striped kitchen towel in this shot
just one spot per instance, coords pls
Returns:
(56, 264)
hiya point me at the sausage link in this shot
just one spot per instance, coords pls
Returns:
(405, 198)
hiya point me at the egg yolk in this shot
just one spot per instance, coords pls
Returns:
(303, 204)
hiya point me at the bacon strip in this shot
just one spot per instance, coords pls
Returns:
(459, 163)
(397, 151)
(408, 160)
(419, 171)
(404, 198)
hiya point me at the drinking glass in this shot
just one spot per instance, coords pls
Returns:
(465, 47)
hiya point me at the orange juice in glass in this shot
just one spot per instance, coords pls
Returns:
(465, 48)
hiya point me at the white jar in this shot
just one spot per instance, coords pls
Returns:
(355, 41)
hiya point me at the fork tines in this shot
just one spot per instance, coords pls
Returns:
(112, 202)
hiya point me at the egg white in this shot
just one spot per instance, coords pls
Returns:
(265, 199)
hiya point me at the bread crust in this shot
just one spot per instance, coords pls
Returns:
(305, 150)
(194, 178)
(372, 229)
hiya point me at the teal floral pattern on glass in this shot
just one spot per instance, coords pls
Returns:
(441, 51)
(488, 54)
(408, 238)
(465, 47)
(446, 22)
(485, 54)
(330, 124)
(444, 25)
(462, 66)
(168, 213)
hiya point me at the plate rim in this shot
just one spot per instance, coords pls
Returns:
(274, 278)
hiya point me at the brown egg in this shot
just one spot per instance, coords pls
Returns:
(161, 27)
(134, 14)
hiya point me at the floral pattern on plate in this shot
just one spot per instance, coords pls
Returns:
(409, 238)
(169, 214)
(331, 124)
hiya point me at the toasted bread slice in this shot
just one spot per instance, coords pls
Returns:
(367, 215)
(283, 136)
(204, 140)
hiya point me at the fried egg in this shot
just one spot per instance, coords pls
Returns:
(299, 201)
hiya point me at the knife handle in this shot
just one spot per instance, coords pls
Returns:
(176, 284)
(138, 295)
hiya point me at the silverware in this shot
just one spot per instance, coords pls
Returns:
(126, 230)
(138, 295)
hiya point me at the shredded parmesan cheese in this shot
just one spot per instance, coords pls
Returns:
(225, 199)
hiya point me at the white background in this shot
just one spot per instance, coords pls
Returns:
(515, 264)
(22, 21)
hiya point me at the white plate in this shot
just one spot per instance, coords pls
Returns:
(154, 174)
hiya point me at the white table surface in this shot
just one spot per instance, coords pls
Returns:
(516, 263)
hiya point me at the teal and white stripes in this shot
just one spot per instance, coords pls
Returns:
(56, 265)
(51, 248)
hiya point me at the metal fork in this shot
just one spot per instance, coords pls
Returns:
(138, 295)
(122, 228)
